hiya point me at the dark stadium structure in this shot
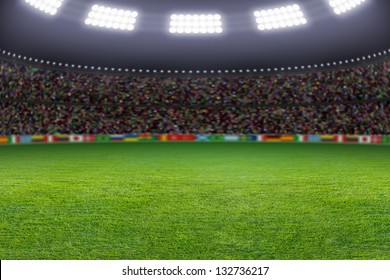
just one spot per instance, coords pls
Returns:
(325, 41)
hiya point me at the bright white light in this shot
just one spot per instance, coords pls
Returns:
(282, 17)
(196, 24)
(112, 18)
(47, 6)
(343, 6)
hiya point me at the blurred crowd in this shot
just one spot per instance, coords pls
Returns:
(46, 101)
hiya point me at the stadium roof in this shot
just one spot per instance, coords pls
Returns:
(325, 38)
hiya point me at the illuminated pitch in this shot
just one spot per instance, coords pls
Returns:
(343, 6)
(47, 6)
(111, 18)
(282, 17)
(196, 24)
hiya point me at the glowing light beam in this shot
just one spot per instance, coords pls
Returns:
(282, 17)
(196, 24)
(111, 18)
(343, 6)
(47, 6)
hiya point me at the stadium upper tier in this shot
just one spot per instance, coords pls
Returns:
(44, 101)
(195, 36)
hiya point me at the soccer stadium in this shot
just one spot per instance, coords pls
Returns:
(195, 130)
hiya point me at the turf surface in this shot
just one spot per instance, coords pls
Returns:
(195, 201)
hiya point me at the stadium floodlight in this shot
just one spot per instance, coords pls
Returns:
(282, 17)
(343, 6)
(111, 18)
(47, 6)
(196, 24)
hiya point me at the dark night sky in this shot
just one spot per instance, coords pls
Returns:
(65, 38)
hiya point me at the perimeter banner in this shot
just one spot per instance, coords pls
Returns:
(61, 138)
(217, 137)
(148, 137)
(102, 138)
(4, 140)
(329, 138)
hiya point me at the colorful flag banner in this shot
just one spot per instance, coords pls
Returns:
(287, 138)
(365, 139)
(350, 139)
(314, 138)
(301, 138)
(278, 138)
(25, 139)
(147, 137)
(231, 137)
(76, 138)
(130, 138)
(162, 137)
(329, 138)
(202, 137)
(173, 137)
(260, 137)
(376, 139)
(272, 138)
(61, 138)
(117, 138)
(102, 138)
(15, 139)
(181, 137)
(39, 138)
(248, 137)
(89, 138)
(386, 139)
(217, 137)
(188, 137)
(3, 139)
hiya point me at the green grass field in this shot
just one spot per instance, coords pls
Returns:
(195, 201)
